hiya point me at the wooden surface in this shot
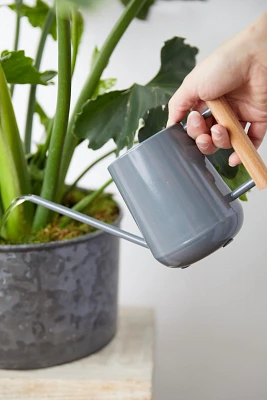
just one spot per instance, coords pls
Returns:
(247, 153)
(121, 371)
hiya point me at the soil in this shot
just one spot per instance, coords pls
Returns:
(103, 208)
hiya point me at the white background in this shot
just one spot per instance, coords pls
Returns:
(211, 336)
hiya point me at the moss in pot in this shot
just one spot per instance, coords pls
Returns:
(58, 278)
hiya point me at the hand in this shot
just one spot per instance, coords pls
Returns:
(237, 70)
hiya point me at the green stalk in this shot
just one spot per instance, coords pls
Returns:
(10, 127)
(16, 226)
(32, 97)
(2, 212)
(12, 137)
(44, 147)
(1, 209)
(18, 20)
(74, 35)
(85, 202)
(70, 188)
(17, 33)
(51, 178)
(2, 228)
(91, 83)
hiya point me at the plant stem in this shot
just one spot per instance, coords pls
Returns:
(16, 41)
(74, 34)
(32, 97)
(51, 178)
(18, 8)
(91, 83)
(70, 188)
(1, 210)
(44, 147)
(14, 176)
(10, 129)
(17, 224)
(85, 202)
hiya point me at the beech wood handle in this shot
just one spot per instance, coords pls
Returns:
(241, 143)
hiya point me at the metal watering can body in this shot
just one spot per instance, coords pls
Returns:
(180, 203)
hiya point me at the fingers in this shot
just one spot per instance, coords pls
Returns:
(196, 125)
(220, 137)
(205, 144)
(234, 160)
(256, 133)
(182, 100)
(207, 140)
(198, 130)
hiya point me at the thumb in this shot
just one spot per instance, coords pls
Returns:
(183, 100)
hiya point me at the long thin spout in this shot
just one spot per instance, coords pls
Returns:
(85, 219)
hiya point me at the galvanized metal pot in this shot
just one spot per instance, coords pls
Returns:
(58, 301)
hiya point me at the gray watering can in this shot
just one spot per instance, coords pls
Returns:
(180, 203)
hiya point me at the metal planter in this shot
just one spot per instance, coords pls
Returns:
(58, 301)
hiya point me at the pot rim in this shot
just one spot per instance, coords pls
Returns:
(59, 243)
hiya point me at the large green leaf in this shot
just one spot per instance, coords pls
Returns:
(116, 114)
(36, 15)
(103, 86)
(140, 99)
(19, 69)
(154, 121)
(143, 13)
(177, 60)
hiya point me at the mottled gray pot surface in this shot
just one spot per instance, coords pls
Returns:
(58, 301)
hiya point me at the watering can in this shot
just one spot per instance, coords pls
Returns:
(180, 203)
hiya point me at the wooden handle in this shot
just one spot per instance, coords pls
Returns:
(241, 143)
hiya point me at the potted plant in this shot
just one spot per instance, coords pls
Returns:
(58, 278)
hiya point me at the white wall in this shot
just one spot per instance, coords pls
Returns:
(212, 317)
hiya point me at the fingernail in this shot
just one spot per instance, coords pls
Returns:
(202, 144)
(232, 164)
(216, 134)
(195, 118)
(233, 160)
